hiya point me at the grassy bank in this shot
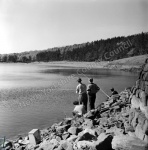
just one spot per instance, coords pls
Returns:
(128, 64)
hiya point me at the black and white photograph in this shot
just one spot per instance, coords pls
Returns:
(73, 74)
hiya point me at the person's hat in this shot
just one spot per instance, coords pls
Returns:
(112, 89)
(79, 80)
(91, 80)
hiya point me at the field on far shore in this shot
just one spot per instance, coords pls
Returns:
(131, 63)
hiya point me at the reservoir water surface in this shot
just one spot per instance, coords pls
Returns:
(27, 101)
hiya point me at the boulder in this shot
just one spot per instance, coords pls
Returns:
(72, 138)
(74, 130)
(90, 131)
(8, 145)
(81, 145)
(114, 130)
(77, 122)
(135, 119)
(139, 132)
(65, 145)
(145, 127)
(65, 135)
(63, 128)
(67, 121)
(105, 114)
(104, 121)
(19, 148)
(87, 135)
(46, 145)
(103, 142)
(88, 123)
(58, 138)
(126, 142)
(99, 130)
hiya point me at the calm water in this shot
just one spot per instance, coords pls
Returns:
(26, 101)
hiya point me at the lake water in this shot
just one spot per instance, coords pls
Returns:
(27, 101)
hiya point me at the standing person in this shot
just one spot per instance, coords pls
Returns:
(92, 89)
(81, 90)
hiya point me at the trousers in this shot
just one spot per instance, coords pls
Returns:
(92, 99)
(83, 100)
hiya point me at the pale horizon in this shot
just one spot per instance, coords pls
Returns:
(28, 25)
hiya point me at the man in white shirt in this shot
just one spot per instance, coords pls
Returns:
(81, 90)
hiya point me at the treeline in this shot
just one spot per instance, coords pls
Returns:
(106, 50)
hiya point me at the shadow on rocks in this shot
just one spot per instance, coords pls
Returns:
(106, 144)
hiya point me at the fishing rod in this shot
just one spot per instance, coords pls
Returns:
(104, 93)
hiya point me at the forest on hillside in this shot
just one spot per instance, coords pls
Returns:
(102, 50)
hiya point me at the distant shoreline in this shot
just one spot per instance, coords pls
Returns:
(132, 64)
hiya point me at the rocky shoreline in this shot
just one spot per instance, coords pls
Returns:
(114, 125)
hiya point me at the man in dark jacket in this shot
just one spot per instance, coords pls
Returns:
(92, 89)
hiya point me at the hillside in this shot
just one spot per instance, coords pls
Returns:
(102, 50)
(128, 64)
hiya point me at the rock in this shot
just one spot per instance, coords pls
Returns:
(145, 127)
(53, 127)
(65, 135)
(77, 122)
(86, 135)
(105, 114)
(103, 121)
(72, 138)
(90, 131)
(131, 134)
(19, 148)
(84, 145)
(89, 114)
(8, 145)
(126, 142)
(146, 138)
(65, 145)
(129, 128)
(30, 147)
(67, 121)
(54, 142)
(70, 146)
(134, 121)
(46, 145)
(74, 130)
(101, 138)
(114, 130)
(99, 130)
(88, 123)
(131, 115)
(139, 132)
(63, 128)
(103, 142)
(16, 145)
(58, 138)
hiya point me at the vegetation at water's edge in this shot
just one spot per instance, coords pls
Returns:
(105, 50)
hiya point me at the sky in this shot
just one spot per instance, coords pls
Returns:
(40, 24)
